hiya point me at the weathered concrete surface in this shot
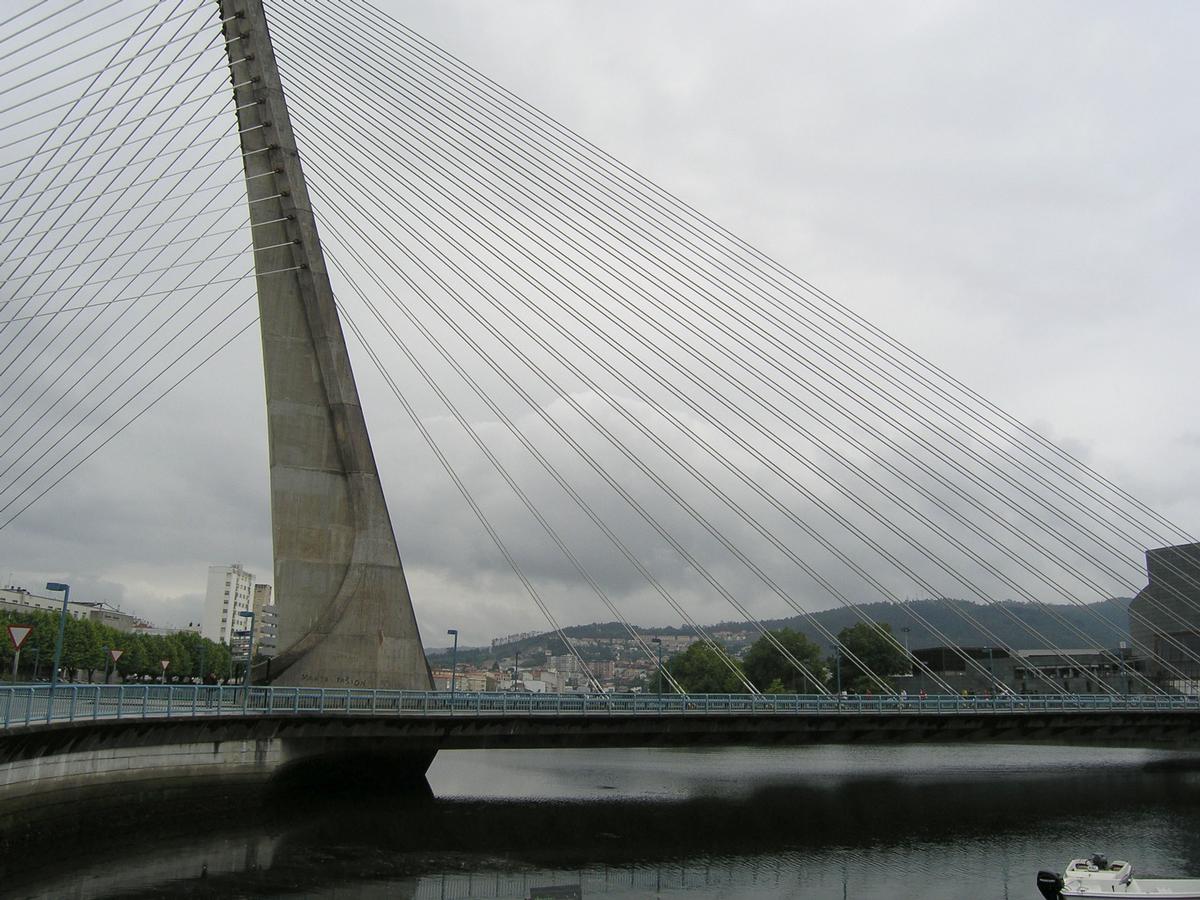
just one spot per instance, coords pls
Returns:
(346, 618)
(304, 734)
(55, 766)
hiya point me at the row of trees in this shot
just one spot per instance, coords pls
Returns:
(701, 670)
(86, 644)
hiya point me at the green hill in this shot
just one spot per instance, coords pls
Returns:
(1010, 622)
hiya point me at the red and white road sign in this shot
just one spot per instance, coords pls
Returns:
(115, 654)
(18, 633)
(164, 663)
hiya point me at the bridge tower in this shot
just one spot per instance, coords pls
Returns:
(346, 618)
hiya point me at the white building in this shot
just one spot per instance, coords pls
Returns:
(17, 599)
(230, 590)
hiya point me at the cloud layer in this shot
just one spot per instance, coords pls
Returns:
(1008, 189)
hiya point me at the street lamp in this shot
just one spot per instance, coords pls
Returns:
(453, 664)
(62, 630)
(516, 668)
(660, 672)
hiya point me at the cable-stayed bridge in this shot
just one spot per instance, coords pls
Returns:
(673, 412)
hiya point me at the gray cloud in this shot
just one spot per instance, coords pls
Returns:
(1009, 189)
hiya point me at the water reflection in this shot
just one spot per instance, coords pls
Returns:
(815, 822)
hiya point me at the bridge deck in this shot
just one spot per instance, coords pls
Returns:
(27, 706)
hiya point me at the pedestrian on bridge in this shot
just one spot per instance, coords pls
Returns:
(210, 681)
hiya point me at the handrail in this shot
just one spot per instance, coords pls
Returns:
(25, 704)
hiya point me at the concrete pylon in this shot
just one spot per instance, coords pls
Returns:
(345, 616)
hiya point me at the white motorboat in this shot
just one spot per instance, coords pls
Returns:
(1097, 877)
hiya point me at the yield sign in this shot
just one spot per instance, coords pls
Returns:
(115, 654)
(18, 633)
(164, 663)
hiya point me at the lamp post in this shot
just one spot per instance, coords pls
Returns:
(660, 671)
(904, 630)
(62, 631)
(453, 664)
(516, 668)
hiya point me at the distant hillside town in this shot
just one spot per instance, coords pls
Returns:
(1120, 644)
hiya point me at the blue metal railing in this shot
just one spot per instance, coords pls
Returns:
(23, 705)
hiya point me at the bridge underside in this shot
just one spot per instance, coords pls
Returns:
(303, 735)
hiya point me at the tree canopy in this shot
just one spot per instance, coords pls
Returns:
(772, 672)
(877, 653)
(700, 670)
(86, 644)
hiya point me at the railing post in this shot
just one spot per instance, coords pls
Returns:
(96, 705)
(74, 697)
(170, 696)
(145, 699)
(8, 706)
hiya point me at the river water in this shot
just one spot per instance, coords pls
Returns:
(822, 822)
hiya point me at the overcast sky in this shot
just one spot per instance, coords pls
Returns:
(1009, 188)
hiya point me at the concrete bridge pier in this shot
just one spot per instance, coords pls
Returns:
(345, 616)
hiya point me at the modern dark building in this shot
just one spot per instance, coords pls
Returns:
(1081, 671)
(1164, 618)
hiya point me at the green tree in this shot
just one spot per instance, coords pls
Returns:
(81, 647)
(765, 664)
(136, 660)
(700, 670)
(878, 654)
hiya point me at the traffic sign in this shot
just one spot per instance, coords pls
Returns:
(115, 654)
(17, 634)
(164, 663)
